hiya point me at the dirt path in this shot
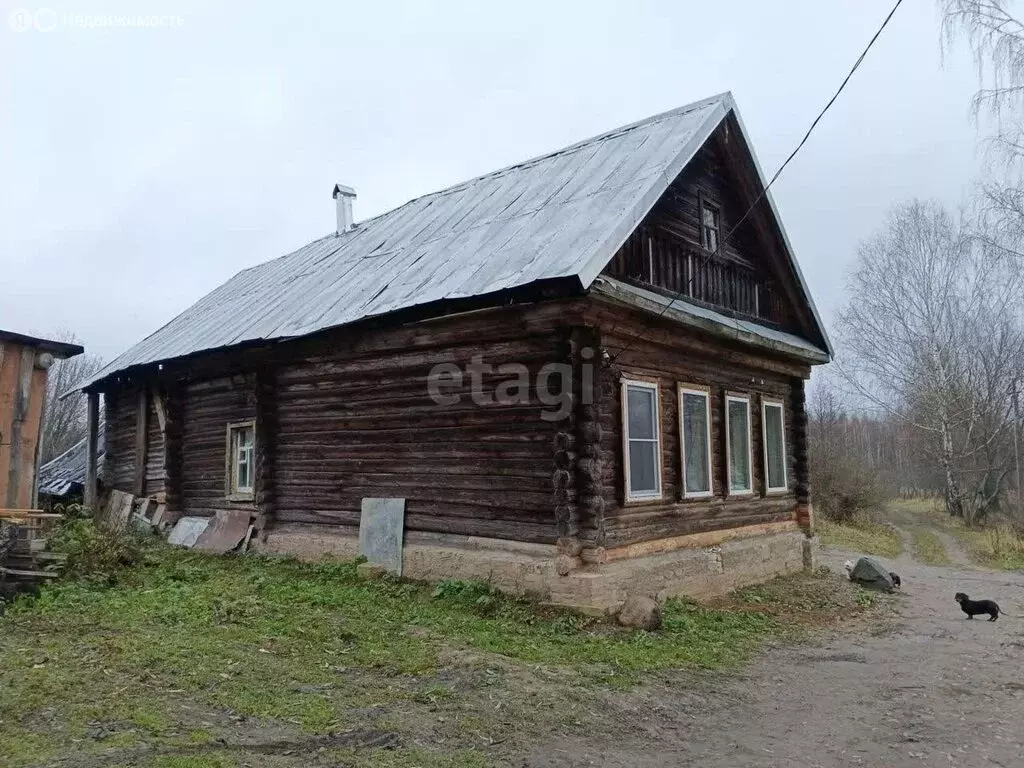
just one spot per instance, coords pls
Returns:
(933, 690)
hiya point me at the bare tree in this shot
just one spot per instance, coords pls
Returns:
(994, 31)
(933, 336)
(64, 423)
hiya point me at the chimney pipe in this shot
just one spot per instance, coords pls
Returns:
(343, 197)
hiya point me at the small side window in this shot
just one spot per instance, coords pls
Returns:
(241, 455)
(709, 226)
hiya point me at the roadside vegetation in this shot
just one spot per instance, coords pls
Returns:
(928, 547)
(860, 533)
(161, 657)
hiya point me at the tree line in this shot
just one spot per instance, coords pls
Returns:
(925, 395)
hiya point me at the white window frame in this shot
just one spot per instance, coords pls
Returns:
(749, 490)
(653, 386)
(767, 403)
(234, 492)
(690, 389)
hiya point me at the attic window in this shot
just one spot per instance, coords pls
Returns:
(709, 225)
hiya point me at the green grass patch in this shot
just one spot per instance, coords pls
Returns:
(928, 548)
(860, 535)
(180, 648)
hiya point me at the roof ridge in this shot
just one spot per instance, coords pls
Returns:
(615, 132)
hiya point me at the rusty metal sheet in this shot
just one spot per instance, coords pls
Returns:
(561, 215)
(225, 531)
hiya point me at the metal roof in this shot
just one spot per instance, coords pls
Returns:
(66, 473)
(560, 215)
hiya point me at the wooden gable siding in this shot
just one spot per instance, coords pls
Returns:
(207, 408)
(739, 278)
(671, 358)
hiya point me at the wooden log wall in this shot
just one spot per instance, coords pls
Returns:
(355, 423)
(173, 400)
(207, 408)
(154, 468)
(119, 441)
(133, 431)
(266, 447)
(672, 358)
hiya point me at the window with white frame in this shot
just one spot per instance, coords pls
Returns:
(641, 440)
(737, 438)
(695, 428)
(773, 426)
(241, 449)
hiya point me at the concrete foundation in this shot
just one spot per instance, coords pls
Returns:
(530, 569)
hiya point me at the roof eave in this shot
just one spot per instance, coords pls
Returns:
(708, 321)
(59, 349)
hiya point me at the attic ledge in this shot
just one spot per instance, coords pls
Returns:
(709, 321)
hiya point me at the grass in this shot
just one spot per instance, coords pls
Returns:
(928, 548)
(182, 651)
(996, 545)
(862, 534)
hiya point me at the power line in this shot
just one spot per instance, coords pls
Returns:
(760, 197)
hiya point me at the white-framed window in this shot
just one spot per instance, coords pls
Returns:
(739, 456)
(773, 428)
(695, 441)
(241, 454)
(641, 439)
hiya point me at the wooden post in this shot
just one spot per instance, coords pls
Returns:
(802, 458)
(172, 404)
(266, 441)
(141, 414)
(92, 416)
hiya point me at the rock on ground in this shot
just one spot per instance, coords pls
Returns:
(640, 612)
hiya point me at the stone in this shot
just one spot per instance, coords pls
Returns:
(640, 612)
(564, 564)
(570, 546)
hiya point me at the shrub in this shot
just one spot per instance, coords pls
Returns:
(94, 552)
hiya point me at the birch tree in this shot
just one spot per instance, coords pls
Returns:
(932, 336)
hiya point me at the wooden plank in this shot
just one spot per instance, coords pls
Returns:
(141, 414)
(92, 409)
(29, 574)
(20, 411)
(161, 412)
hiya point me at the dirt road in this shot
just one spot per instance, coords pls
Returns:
(932, 690)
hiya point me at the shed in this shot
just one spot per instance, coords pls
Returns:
(24, 362)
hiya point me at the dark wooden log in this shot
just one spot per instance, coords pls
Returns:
(173, 449)
(266, 443)
(92, 421)
(141, 416)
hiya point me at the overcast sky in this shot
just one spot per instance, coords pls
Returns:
(141, 168)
